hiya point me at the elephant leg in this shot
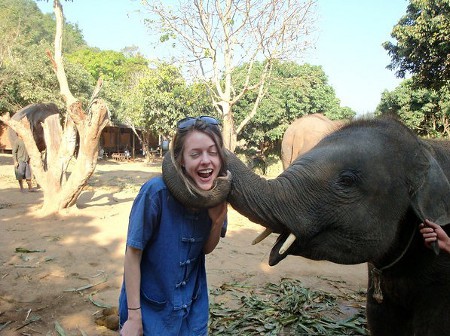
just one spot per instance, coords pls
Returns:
(431, 313)
(387, 319)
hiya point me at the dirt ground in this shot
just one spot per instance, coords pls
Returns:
(77, 265)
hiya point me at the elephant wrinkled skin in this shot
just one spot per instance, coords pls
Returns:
(359, 196)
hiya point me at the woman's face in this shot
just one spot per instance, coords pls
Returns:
(201, 159)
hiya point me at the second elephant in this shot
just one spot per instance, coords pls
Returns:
(303, 134)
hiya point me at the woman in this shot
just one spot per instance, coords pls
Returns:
(165, 290)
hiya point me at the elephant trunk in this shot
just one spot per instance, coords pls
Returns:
(255, 197)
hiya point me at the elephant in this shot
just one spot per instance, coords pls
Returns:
(359, 196)
(36, 115)
(303, 134)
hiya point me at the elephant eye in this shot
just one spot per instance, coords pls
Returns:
(347, 178)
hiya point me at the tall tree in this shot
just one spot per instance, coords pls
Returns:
(422, 45)
(115, 68)
(25, 72)
(160, 96)
(294, 91)
(425, 111)
(217, 36)
(59, 190)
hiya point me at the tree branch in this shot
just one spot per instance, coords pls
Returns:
(57, 61)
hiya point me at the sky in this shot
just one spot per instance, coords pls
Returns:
(348, 45)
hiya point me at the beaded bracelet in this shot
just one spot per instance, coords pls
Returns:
(134, 308)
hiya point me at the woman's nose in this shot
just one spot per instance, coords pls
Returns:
(205, 158)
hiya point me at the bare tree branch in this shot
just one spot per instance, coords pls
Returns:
(221, 35)
(58, 65)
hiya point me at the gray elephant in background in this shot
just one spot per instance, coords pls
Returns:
(358, 196)
(303, 134)
(37, 115)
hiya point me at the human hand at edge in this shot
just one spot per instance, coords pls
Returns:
(433, 232)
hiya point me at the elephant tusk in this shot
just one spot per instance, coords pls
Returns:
(288, 242)
(263, 235)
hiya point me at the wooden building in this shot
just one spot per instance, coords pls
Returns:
(118, 138)
(114, 139)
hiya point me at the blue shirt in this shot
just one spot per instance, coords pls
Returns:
(174, 294)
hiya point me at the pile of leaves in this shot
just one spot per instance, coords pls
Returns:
(287, 308)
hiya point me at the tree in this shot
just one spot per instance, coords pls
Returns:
(160, 96)
(217, 36)
(59, 190)
(25, 75)
(294, 91)
(115, 68)
(423, 110)
(423, 43)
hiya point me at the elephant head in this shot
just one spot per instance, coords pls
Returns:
(36, 114)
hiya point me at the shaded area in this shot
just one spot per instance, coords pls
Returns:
(77, 265)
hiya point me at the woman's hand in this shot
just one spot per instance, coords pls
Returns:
(132, 326)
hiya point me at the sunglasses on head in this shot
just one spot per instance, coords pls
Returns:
(190, 121)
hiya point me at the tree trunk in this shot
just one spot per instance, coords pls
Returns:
(60, 189)
(63, 193)
(228, 129)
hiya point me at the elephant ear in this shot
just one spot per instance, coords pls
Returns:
(431, 199)
(194, 197)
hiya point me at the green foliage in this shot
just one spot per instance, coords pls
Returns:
(287, 308)
(23, 24)
(160, 97)
(423, 44)
(30, 78)
(117, 69)
(425, 111)
(292, 92)
(26, 74)
(108, 64)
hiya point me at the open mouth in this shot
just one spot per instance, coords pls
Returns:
(205, 173)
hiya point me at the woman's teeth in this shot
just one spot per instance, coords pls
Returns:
(205, 173)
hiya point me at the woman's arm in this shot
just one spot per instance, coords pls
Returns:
(132, 271)
(217, 215)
